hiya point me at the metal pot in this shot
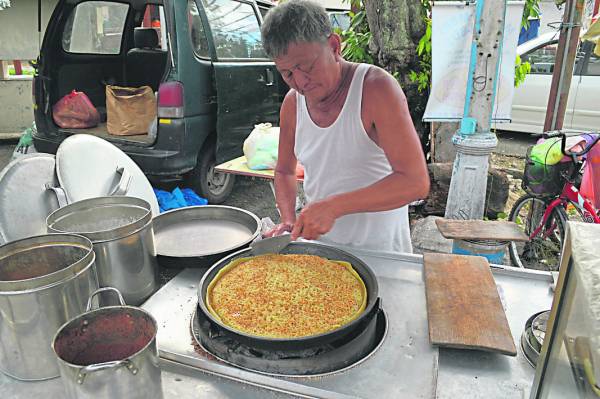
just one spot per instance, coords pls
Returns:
(44, 281)
(342, 333)
(109, 352)
(121, 230)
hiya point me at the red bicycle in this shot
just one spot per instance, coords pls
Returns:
(553, 198)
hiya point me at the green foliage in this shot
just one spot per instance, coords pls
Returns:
(531, 10)
(356, 38)
(26, 71)
(521, 71)
(356, 43)
(422, 75)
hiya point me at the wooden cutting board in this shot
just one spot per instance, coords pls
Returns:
(463, 306)
(500, 230)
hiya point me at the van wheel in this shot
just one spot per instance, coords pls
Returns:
(212, 185)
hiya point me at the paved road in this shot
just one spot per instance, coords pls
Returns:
(514, 144)
(6, 150)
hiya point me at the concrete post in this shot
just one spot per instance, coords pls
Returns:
(4, 69)
(474, 141)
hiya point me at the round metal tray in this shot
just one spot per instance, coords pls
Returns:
(201, 231)
(25, 200)
(533, 335)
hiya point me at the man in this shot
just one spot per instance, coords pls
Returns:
(349, 126)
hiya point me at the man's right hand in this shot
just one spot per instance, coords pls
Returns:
(279, 230)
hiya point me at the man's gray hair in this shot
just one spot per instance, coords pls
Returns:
(295, 21)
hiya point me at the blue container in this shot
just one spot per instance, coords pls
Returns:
(494, 251)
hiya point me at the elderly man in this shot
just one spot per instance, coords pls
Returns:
(349, 126)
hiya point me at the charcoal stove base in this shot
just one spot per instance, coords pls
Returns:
(316, 361)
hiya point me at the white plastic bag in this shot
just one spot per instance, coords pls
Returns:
(260, 148)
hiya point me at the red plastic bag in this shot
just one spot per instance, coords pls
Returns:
(75, 111)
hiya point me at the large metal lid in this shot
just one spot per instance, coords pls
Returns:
(88, 167)
(38, 262)
(25, 200)
(102, 219)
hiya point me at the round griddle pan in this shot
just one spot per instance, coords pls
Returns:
(341, 333)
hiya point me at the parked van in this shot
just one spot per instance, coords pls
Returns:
(204, 60)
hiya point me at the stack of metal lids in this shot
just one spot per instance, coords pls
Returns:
(85, 166)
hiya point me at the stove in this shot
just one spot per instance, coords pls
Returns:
(315, 361)
(400, 362)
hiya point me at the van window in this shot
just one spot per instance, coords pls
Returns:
(340, 20)
(263, 11)
(235, 29)
(95, 27)
(154, 17)
(197, 34)
(593, 66)
(542, 59)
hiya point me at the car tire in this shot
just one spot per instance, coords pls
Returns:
(214, 186)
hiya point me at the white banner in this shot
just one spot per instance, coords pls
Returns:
(451, 38)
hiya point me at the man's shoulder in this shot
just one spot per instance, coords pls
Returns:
(378, 79)
(290, 98)
(380, 89)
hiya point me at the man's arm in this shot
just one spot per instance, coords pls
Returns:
(285, 170)
(385, 113)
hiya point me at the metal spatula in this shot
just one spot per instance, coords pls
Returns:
(271, 245)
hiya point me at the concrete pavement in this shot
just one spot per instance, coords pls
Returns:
(6, 150)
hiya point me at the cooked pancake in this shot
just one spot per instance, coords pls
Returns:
(286, 296)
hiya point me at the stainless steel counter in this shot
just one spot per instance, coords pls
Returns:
(405, 366)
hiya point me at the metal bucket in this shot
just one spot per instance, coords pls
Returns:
(494, 251)
(109, 352)
(121, 230)
(44, 281)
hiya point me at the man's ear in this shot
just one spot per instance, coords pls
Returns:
(335, 43)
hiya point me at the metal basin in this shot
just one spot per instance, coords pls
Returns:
(198, 236)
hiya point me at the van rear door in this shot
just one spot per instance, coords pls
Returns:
(246, 80)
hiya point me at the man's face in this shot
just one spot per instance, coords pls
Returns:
(309, 68)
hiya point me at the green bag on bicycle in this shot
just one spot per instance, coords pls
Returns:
(548, 152)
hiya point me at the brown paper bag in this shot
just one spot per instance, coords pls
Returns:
(129, 110)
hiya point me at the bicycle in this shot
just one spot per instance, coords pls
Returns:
(550, 202)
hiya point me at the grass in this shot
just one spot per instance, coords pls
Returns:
(26, 71)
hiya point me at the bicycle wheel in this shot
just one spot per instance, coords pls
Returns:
(541, 252)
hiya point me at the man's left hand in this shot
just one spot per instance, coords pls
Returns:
(314, 220)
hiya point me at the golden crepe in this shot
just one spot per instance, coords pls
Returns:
(286, 296)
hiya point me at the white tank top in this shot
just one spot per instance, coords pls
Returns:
(342, 158)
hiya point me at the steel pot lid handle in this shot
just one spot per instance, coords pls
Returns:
(123, 185)
(61, 196)
(92, 368)
(101, 290)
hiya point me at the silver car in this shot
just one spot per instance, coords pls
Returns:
(531, 97)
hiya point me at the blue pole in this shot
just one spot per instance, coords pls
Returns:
(468, 125)
(498, 70)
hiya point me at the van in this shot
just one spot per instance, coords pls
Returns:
(204, 60)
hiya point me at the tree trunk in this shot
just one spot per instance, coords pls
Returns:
(396, 27)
